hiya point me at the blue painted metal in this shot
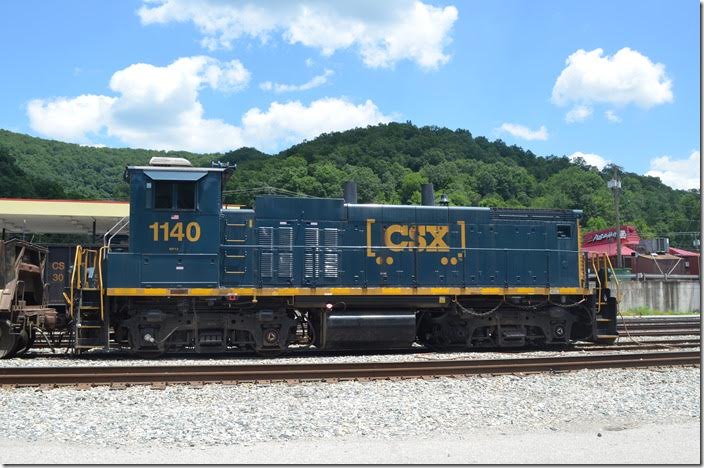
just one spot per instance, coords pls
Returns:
(307, 242)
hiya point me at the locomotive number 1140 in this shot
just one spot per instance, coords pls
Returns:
(176, 231)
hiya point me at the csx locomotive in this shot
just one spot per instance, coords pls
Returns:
(330, 273)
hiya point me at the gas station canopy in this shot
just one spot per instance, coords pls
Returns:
(60, 216)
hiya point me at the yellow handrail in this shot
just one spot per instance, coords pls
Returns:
(598, 282)
(75, 277)
(618, 284)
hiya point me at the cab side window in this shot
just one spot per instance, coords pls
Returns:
(162, 195)
(564, 231)
(170, 195)
(185, 194)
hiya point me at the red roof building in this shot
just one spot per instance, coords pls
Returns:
(635, 257)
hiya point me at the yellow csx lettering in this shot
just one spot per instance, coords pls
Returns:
(399, 237)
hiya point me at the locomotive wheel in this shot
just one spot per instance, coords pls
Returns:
(8, 342)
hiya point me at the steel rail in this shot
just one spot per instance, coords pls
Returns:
(33, 376)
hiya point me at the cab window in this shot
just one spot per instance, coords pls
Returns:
(170, 195)
(564, 231)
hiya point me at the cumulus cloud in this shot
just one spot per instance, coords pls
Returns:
(314, 82)
(677, 173)
(612, 117)
(70, 119)
(627, 77)
(383, 33)
(590, 158)
(286, 123)
(578, 114)
(524, 132)
(159, 108)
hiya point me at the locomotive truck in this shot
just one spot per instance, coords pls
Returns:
(330, 273)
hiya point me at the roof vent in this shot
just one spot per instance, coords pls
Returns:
(167, 161)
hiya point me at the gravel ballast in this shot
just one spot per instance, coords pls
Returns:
(245, 415)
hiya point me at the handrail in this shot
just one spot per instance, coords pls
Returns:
(75, 278)
(101, 252)
(618, 284)
(598, 281)
(115, 230)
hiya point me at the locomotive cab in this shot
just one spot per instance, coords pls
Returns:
(174, 228)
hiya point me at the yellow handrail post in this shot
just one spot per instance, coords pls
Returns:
(618, 284)
(75, 277)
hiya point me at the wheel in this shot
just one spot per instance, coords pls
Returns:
(25, 341)
(8, 341)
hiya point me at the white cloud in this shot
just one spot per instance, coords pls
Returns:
(627, 77)
(159, 108)
(578, 114)
(677, 173)
(590, 158)
(612, 117)
(526, 133)
(383, 33)
(70, 118)
(291, 122)
(314, 82)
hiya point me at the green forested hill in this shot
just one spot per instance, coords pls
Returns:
(389, 162)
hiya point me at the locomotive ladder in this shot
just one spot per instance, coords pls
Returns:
(606, 316)
(85, 300)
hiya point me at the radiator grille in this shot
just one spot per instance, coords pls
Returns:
(330, 256)
(265, 239)
(311, 269)
(266, 264)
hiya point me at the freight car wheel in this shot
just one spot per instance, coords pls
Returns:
(25, 341)
(8, 341)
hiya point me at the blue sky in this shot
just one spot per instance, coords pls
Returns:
(217, 75)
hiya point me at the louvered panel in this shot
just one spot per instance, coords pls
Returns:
(330, 256)
(285, 238)
(311, 269)
(310, 265)
(266, 266)
(285, 264)
(330, 265)
(330, 237)
(265, 237)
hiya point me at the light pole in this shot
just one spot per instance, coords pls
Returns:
(615, 186)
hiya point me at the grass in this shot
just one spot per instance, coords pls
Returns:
(644, 311)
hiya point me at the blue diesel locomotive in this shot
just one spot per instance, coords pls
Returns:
(330, 273)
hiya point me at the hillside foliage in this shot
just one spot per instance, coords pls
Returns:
(389, 162)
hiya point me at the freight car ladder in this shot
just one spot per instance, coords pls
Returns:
(606, 304)
(85, 300)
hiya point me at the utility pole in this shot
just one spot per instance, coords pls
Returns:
(615, 186)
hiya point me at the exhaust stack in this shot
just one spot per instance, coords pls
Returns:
(350, 192)
(427, 195)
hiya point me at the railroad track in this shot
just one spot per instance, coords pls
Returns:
(660, 326)
(198, 375)
(640, 346)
